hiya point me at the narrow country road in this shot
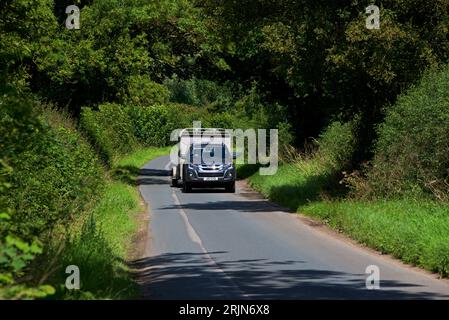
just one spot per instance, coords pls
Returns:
(214, 245)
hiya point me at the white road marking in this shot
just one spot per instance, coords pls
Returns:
(193, 235)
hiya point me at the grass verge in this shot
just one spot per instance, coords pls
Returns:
(413, 230)
(127, 168)
(99, 242)
(138, 158)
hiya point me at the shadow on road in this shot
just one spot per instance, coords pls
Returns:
(241, 206)
(191, 276)
(155, 172)
(153, 177)
(208, 190)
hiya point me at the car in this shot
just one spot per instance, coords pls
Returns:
(205, 160)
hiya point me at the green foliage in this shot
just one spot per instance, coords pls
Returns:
(295, 184)
(139, 158)
(413, 231)
(153, 124)
(337, 143)
(26, 27)
(185, 115)
(100, 240)
(198, 92)
(15, 256)
(97, 247)
(55, 170)
(412, 151)
(285, 135)
(56, 174)
(318, 59)
(310, 176)
(110, 129)
(52, 179)
(141, 91)
(220, 120)
(251, 110)
(313, 175)
(291, 65)
(128, 168)
(121, 48)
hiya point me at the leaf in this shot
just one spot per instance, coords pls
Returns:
(47, 289)
(5, 216)
(6, 278)
(35, 248)
(18, 265)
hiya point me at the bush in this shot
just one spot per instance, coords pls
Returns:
(110, 129)
(411, 156)
(54, 177)
(220, 120)
(197, 92)
(153, 125)
(15, 256)
(285, 136)
(48, 174)
(185, 115)
(251, 111)
(142, 91)
(336, 144)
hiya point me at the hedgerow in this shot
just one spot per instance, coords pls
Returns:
(109, 129)
(411, 154)
(50, 174)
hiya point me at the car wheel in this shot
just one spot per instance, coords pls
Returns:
(186, 187)
(230, 187)
(174, 183)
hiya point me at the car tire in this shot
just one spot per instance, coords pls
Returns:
(186, 187)
(230, 187)
(174, 183)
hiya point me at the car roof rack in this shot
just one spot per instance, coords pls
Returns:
(196, 132)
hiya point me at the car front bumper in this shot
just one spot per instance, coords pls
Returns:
(210, 178)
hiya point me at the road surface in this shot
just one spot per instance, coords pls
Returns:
(214, 245)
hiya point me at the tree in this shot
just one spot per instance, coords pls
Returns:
(319, 59)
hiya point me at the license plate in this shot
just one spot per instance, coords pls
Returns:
(210, 179)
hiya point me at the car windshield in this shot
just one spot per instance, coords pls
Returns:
(209, 154)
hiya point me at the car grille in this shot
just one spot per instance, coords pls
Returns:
(214, 167)
(210, 174)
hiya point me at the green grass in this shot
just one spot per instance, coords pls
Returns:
(100, 246)
(138, 158)
(127, 168)
(297, 184)
(415, 231)
(246, 170)
(114, 216)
